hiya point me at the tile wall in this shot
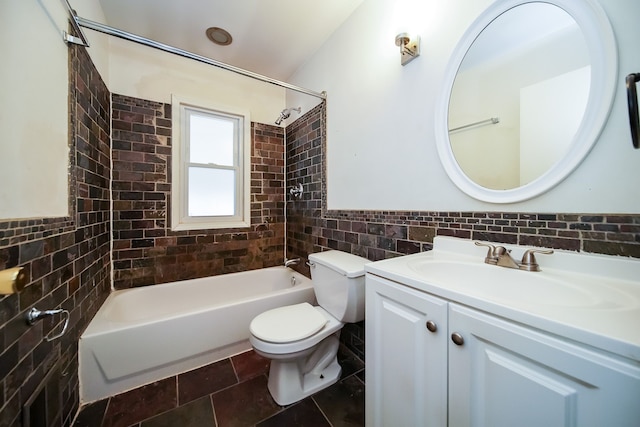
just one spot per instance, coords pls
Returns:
(383, 234)
(67, 261)
(146, 251)
(378, 235)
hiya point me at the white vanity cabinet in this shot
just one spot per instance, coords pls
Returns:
(504, 374)
(500, 373)
(406, 351)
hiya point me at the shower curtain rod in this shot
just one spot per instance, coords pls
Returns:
(96, 26)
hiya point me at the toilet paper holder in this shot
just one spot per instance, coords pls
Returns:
(12, 280)
(34, 315)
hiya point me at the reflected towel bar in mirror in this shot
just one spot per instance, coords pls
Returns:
(492, 120)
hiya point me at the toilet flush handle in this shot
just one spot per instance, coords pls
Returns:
(310, 264)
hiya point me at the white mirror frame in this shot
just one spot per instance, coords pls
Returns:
(601, 43)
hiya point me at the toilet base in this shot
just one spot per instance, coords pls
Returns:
(292, 380)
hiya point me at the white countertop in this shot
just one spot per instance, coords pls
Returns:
(589, 299)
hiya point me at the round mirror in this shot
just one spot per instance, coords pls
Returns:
(526, 94)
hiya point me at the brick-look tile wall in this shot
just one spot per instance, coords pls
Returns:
(305, 163)
(146, 251)
(67, 259)
(383, 234)
(378, 235)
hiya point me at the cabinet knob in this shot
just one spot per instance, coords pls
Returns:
(431, 326)
(457, 338)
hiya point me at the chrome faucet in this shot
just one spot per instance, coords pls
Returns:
(290, 262)
(500, 256)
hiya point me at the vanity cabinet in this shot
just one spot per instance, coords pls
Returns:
(406, 359)
(505, 374)
(497, 373)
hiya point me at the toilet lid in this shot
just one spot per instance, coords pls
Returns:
(289, 323)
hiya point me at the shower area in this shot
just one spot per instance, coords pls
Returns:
(285, 170)
(146, 252)
(120, 207)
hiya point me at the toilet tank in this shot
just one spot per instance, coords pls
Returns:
(338, 281)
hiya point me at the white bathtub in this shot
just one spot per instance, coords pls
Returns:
(142, 335)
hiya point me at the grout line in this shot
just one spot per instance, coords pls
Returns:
(321, 411)
(177, 391)
(235, 371)
(106, 411)
(213, 409)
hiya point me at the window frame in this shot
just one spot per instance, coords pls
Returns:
(180, 219)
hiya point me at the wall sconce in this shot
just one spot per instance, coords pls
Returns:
(409, 47)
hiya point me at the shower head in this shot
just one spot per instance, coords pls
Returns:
(282, 117)
(284, 114)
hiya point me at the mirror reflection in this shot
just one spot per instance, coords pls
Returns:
(519, 96)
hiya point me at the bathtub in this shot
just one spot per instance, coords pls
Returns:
(142, 335)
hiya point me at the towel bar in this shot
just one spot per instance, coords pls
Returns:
(632, 99)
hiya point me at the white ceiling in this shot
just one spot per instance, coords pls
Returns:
(270, 37)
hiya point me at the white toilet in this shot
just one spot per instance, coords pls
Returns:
(302, 340)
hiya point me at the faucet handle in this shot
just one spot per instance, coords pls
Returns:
(290, 262)
(492, 253)
(529, 262)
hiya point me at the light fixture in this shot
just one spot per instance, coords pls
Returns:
(219, 36)
(409, 47)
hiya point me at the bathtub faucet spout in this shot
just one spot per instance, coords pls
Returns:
(290, 262)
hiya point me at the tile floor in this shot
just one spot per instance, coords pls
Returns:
(231, 393)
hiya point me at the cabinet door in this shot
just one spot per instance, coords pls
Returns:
(505, 375)
(406, 375)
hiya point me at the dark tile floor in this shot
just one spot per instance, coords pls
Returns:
(231, 393)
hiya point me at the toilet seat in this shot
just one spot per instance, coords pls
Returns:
(331, 326)
(288, 323)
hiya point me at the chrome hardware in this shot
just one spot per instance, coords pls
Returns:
(505, 260)
(293, 280)
(68, 38)
(431, 326)
(290, 262)
(284, 114)
(490, 120)
(529, 262)
(492, 257)
(34, 315)
(457, 338)
(310, 264)
(501, 256)
(409, 47)
(296, 191)
(262, 227)
(105, 29)
(632, 106)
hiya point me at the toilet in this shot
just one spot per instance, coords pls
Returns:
(302, 340)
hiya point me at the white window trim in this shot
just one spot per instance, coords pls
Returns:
(179, 217)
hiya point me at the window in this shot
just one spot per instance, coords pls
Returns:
(210, 167)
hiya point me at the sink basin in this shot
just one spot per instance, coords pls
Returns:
(505, 285)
